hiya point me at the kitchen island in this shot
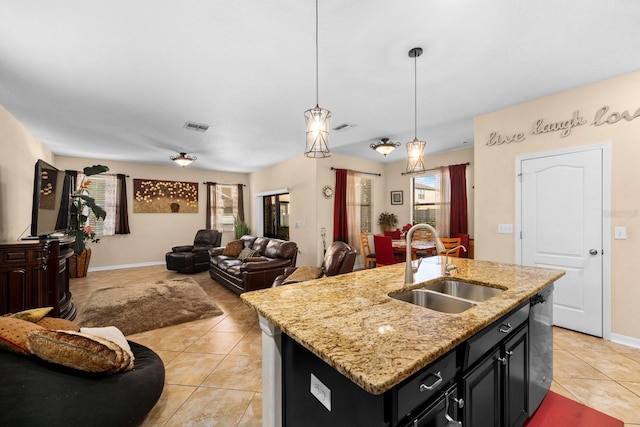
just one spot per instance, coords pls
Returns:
(375, 341)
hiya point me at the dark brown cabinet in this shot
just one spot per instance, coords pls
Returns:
(33, 274)
(496, 387)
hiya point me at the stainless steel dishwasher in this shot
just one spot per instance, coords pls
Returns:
(540, 347)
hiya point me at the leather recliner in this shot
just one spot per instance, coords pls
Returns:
(339, 259)
(193, 258)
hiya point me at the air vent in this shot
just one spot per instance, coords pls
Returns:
(198, 127)
(343, 127)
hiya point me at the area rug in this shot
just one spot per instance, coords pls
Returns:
(146, 306)
(557, 411)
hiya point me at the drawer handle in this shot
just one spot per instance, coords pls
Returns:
(424, 387)
(505, 331)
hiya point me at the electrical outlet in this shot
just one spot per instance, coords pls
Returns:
(505, 228)
(620, 233)
(320, 392)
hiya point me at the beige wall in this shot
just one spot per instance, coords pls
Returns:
(20, 151)
(299, 176)
(495, 180)
(152, 234)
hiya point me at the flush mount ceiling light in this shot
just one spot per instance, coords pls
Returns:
(385, 146)
(317, 120)
(183, 160)
(415, 148)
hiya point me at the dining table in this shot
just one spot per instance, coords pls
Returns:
(423, 246)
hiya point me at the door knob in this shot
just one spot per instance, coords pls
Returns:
(593, 252)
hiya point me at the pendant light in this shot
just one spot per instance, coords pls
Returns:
(317, 120)
(183, 160)
(415, 148)
(385, 146)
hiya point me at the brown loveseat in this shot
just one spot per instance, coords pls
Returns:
(257, 271)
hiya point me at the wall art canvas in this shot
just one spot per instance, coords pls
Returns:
(156, 196)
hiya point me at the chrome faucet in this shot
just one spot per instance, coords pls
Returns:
(408, 269)
(450, 267)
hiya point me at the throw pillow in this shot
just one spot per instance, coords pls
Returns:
(58, 324)
(303, 273)
(246, 253)
(110, 333)
(14, 333)
(79, 351)
(32, 315)
(233, 248)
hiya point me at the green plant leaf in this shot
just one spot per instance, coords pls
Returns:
(97, 210)
(95, 170)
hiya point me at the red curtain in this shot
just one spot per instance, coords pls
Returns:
(340, 229)
(458, 217)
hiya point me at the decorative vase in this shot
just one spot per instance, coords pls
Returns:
(79, 263)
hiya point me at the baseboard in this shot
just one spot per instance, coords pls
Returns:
(117, 267)
(623, 339)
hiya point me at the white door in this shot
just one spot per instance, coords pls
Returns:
(562, 226)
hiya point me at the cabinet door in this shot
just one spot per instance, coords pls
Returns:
(482, 395)
(516, 378)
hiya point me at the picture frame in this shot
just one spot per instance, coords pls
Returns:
(396, 197)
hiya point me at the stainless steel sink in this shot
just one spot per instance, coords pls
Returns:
(469, 291)
(434, 301)
(448, 295)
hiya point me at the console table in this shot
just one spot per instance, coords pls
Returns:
(33, 273)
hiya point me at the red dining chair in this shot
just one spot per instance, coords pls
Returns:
(394, 234)
(384, 251)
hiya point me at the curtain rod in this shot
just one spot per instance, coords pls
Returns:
(436, 168)
(222, 183)
(366, 173)
(107, 174)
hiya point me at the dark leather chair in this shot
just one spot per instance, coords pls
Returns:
(338, 259)
(193, 258)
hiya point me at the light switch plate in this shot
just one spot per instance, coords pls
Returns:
(620, 233)
(321, 392)
(505, 228)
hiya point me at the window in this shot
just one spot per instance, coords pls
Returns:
(425, 198)
(226, 207)
(276, 216)
(359, 206)
(365, 205)
(103, 189)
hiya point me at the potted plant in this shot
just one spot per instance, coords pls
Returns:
(82, 207)
(387, 220)
(240, 227)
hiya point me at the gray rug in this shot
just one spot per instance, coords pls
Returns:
(146, 306)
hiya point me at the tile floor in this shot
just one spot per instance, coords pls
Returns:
(213, 366)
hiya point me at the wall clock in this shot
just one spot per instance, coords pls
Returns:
(327, 192)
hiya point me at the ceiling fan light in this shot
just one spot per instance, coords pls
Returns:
(385, 146)
(318, 121)
(183, 160)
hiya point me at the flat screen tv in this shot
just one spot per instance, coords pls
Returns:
(50, 209)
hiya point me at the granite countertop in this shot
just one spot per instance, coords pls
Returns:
(351, 323)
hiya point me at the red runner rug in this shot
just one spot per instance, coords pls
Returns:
(558, 411)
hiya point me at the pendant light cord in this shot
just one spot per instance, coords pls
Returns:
(317, 74)
(415, 96)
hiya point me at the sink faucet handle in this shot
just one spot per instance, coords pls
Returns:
(417, 265)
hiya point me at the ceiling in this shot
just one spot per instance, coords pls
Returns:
(118, 80)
